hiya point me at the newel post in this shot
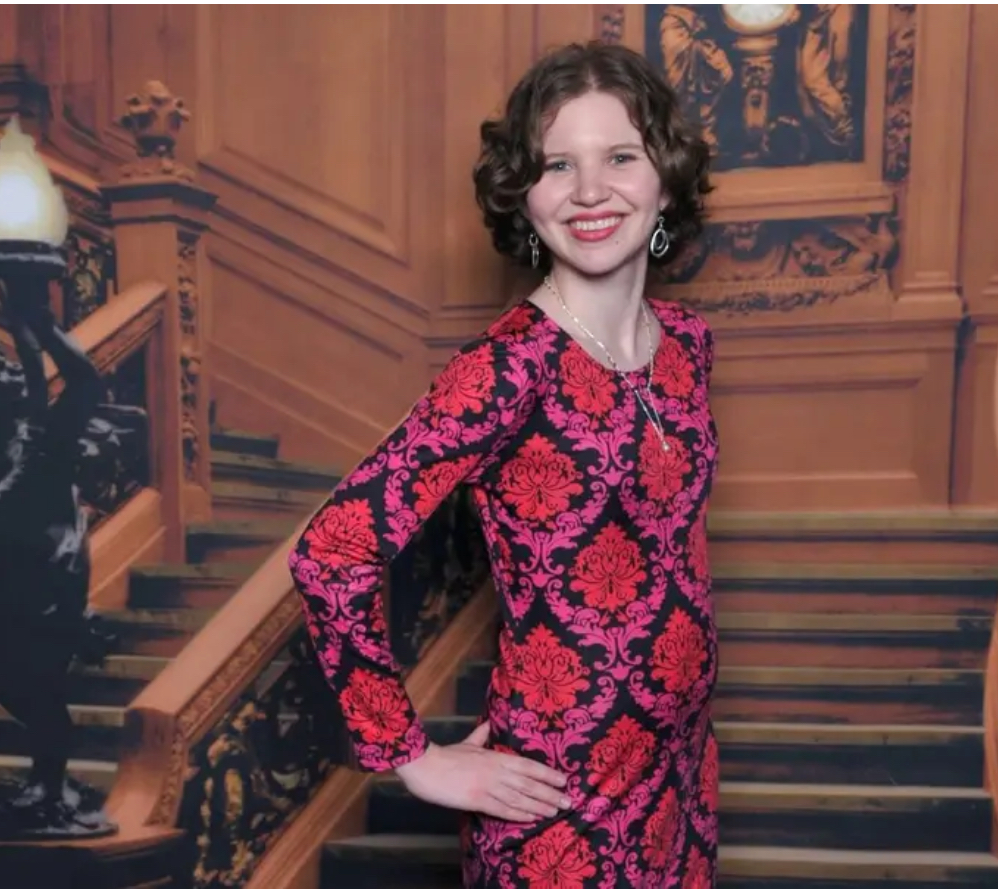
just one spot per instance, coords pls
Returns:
(159, 214)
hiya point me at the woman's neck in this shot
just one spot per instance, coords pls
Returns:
(609, 306)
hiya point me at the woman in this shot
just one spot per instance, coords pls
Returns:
(580, 421)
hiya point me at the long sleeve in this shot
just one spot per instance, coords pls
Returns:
(473, 408)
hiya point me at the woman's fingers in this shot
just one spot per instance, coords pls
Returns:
(498, 809)
(537, 790)
(537, 771)
(524, 803)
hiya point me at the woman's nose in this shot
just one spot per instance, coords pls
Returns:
(590, 187)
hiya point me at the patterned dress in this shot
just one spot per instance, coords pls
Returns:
(607, 650)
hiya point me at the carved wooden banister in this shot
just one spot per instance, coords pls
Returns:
(118, 329)
(178, 707)
(115, 331)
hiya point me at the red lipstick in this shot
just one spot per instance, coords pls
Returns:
(591, 227)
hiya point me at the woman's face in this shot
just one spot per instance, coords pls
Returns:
(596, 204)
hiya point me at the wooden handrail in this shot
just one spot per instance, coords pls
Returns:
(181, 704)
(119, 328)
(115, 331)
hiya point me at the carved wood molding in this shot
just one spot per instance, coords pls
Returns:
(801, 236)
(205, 707)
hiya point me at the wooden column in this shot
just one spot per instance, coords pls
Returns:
(159, 214)
(930, 264)
(975, 455)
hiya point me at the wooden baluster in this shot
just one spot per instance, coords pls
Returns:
(159, 214)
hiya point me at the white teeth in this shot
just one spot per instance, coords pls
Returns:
(593, 225)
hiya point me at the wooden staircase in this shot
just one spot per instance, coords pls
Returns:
(848, 710)
(849, 720)
(258, 500)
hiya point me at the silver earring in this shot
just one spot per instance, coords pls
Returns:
(660, 241)
(535, 249)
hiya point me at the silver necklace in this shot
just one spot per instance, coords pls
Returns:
(651, 412)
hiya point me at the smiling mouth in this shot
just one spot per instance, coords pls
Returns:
(595, 225)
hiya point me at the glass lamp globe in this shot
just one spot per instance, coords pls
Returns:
(31, 207)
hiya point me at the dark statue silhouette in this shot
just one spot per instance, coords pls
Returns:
(50, 451)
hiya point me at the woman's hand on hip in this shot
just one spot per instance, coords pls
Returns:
(468, 777)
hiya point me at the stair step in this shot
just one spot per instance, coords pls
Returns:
(421, 860)
(186, 586)
(760, 867)
(845, 816)
(856, 588)
(160, 632)
(856, 817)
(236, 541)
(392, 861)
(815, 694)
(117, 682)
(886, 525)
(243, 500)
(97, 733)
(789, 639)
(241, 442)
(848, 694)
(98, 774)
(853, 623)
(852, 754)
(272, 471)
(823, 752)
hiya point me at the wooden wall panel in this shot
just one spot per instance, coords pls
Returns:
(347, 258)
(301, 354)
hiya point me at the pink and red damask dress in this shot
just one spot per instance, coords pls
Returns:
(608, 645)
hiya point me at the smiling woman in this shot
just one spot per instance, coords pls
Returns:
(581, 423)
(628, 114)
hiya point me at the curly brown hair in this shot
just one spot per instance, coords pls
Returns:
(512, 161)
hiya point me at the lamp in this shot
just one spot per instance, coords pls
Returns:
(33, 217)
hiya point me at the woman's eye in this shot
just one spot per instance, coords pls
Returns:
(622, 158)
(557, 166)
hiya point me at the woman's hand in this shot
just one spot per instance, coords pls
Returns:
(468, 777)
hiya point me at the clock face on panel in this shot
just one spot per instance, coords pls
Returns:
(751, 18)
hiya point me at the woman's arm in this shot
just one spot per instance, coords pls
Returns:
(476, 405)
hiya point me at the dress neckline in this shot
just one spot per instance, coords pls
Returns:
(550, 322)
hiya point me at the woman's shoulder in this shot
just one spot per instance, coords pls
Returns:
(510, 352)
(521, 322)
(518, 334)
(678, 317)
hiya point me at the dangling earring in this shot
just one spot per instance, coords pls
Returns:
(660, 242)
(535, 249)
